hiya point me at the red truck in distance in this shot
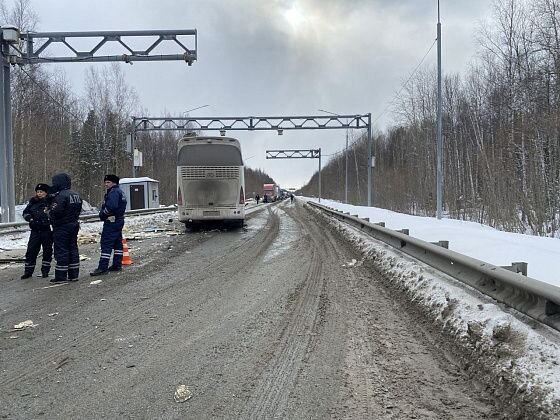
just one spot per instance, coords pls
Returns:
(270, 193)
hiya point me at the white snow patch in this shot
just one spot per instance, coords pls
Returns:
(18, 240)
(286, 236)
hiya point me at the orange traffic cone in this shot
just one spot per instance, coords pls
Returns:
(126, 254)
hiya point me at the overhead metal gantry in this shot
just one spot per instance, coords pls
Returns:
(294, 154)
(20, 48)
(297, 154)
(121, 39)
(279, 124)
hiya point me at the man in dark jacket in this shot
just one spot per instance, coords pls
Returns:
(112, 214)
(41, 234)
(64, 212)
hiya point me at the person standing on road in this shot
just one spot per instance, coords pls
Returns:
(41, 235)
(291, 198)
(112, 214)
(257, 197)
(64, 211)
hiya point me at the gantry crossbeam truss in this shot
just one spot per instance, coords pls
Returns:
(293, 154)
(320, 122)
(33, 53)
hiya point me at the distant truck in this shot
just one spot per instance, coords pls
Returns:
(270, 193)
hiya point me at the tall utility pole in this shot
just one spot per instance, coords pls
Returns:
(439, 175)
(18, 48)
(346, 170)
(345, 159)
(371, 164)
(8, 36)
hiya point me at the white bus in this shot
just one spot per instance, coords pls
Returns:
(210, 180)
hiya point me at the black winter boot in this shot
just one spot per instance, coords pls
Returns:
(98, 272)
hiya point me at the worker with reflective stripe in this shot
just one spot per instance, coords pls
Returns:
(64, 211)
(112, 214)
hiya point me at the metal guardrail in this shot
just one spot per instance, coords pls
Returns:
(95, 217)
(530, 296)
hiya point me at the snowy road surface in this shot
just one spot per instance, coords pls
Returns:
(285, 319)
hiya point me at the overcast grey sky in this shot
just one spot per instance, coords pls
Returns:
(280, 57)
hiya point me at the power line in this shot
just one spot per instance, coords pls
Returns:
(332, 154)
(342, 152)
(405, 83)
(394, 97)
(62, 106)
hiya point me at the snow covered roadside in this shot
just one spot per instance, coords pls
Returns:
(141, 224)
(473, 239)
(509, 350)
(136, 226)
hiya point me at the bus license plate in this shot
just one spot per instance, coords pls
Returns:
(210, 213)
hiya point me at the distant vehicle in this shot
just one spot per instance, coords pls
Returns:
(210, 180)
(270, 193)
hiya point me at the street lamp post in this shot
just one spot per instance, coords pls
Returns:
(439, 168)
(346, 169)
(133, 136)
(345, 158)
(194, 109)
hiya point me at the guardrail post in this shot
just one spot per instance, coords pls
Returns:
(551, 308)
(366, 219)
(382, 224)
(443, 244)
(520, 267)
(517, 267)
(405, 231)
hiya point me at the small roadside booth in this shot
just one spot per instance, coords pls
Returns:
(141, 193)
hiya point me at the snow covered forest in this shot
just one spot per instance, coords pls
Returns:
(501, 131)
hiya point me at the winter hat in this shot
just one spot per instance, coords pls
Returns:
(113, 178)
(61, 182)
(42, 187)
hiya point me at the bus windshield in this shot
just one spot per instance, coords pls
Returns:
(210, 154)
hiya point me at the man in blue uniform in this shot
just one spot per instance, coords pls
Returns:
(112, 214)
(64, 211)
(41, 235)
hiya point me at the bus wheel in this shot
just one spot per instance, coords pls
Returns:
(191, 227)
(235, 224)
